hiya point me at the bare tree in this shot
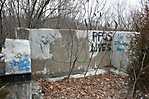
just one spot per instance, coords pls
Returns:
(2, 37)
(139, 55)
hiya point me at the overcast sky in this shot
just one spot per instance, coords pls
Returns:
(125, 8)
(133, 4)
(127, 5)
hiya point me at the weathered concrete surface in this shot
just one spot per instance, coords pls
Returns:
(41, 42)
(20, 90)
(53, 51)
(63, 50)
(120, 50)
(17, 56)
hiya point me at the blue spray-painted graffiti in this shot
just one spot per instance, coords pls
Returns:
(120, 43)
(22, 63)
(17, 58)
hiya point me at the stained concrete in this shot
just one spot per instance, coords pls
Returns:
(53, 51)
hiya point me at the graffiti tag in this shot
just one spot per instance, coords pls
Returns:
(21, 62)
(120, 43)
(101, 41)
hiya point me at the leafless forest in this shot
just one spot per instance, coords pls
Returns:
(103, 15)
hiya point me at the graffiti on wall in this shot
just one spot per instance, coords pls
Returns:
(120, 54)
(44, 43)
(41, 43)
(17, 56)
(20, 62)
(120, 42)
(100, 41)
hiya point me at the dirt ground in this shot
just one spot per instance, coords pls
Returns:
(105, 86)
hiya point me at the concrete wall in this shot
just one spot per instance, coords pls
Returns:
(54, 50)
(17, 90)
(121, 41)
(17, 56)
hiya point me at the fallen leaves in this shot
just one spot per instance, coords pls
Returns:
(106, 86)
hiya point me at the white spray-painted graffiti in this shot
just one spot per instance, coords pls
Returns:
(100, 41)
(41, 41)
(17, 56)
(45, 41)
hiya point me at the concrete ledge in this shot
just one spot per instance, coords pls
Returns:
(16, 77)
